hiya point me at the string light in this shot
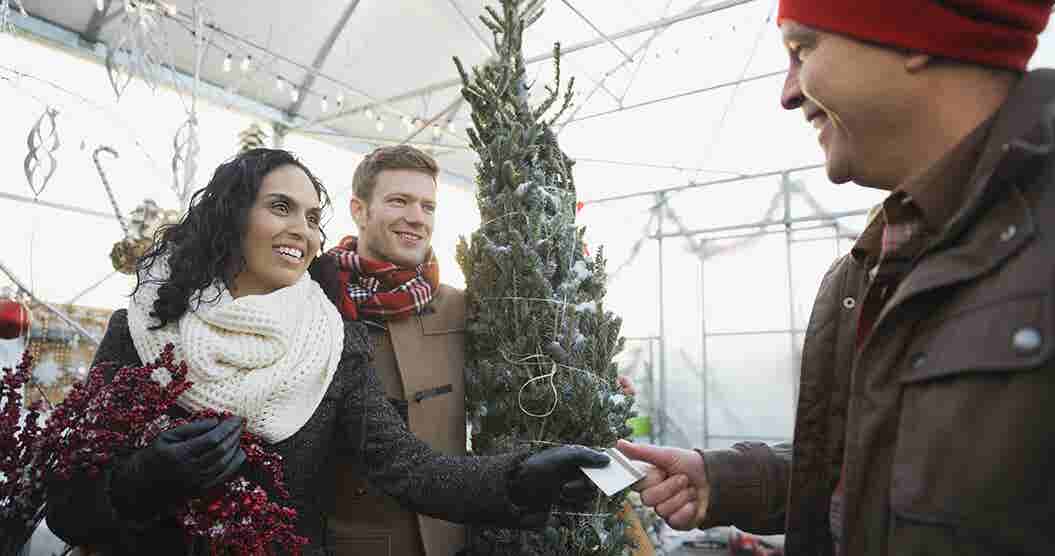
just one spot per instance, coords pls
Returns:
(450, 126)
(99, 5)
(380, 125)
(227, 63)
(436, 130)
(247, 63)
(324, 104)
(406, 122)
(280, 83)
(369, 114)
(340, 100)
(294, 94)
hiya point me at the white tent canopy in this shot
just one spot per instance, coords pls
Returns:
(704, 193)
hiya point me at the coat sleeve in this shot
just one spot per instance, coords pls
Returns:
(749, 486)
(461, 489)
(79, 509)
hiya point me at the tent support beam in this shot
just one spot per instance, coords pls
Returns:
(663, 22)
(324, 53)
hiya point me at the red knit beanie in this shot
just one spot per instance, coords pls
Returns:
(1000, 33)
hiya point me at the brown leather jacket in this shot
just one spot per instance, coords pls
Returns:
(945, 419)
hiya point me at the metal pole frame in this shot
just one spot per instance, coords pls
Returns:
(661, 200)
(704, 368)
(787, 223)
(785, 184)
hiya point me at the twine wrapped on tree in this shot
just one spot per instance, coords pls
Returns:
(540, 344)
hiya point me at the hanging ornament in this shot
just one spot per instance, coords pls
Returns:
(252, 137)
(15, 318)
(43, 141)
(140, 49)
(143, 223)
(185, 159)
(147, 218)
(6, 7)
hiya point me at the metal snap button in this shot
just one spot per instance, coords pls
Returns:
(849, 302)
(1009, 233)
(1027, 339)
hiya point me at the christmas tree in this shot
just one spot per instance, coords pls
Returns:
(540, 344)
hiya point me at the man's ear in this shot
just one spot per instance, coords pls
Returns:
(917, 61)
(358, 209)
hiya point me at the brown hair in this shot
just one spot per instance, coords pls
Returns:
(394, 157)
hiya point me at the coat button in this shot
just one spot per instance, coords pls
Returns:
(918, 360)
(360, 491)
(849, 302)
(1009, 233)
(1026, 340)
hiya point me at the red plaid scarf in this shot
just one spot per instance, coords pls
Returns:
(380, 289)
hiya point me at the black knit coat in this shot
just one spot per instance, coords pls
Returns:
(354, 415)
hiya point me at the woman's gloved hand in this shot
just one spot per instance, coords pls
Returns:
(181, 463)
(553, 475)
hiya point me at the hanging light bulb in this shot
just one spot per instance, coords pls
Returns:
(369, 114)
(99, 5)
(247, 63)
(340, 100)
(380, 126)
(294, 94)
(436, 130)
(324, 104)
(406, 122)
(227, 63)
(450, 126)
(280, 83)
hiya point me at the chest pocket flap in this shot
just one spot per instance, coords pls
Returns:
(1013, 334)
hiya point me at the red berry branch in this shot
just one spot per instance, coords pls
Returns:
(100, 421)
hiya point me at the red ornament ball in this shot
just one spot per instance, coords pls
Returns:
(14, 319)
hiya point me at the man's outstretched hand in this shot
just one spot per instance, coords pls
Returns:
(675, 484)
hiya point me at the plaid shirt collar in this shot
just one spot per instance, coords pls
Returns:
(925, 203)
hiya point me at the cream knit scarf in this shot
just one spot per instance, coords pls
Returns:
(267, 358)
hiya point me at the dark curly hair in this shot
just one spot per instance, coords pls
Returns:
(206, 244)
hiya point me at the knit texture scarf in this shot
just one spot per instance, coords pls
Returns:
(382, 290)
(267, 358)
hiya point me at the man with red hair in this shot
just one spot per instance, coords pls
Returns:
(926, 413)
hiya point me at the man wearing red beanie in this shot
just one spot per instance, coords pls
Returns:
(926, 415)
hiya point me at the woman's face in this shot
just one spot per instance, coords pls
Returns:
(282, 233)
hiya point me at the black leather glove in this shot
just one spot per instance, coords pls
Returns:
(552, 475)
(181, 463)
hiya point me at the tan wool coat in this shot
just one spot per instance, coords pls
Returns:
(421, 362)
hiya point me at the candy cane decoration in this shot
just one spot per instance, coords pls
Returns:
(106, 184)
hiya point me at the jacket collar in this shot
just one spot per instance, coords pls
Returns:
(1021, 137)
(1022, 134)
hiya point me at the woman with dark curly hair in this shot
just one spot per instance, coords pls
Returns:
(229, 287)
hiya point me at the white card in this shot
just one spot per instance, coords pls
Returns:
(617, 475)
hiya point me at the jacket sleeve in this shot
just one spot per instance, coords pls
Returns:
(79, 509)
(461, 489)
(749, 486)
